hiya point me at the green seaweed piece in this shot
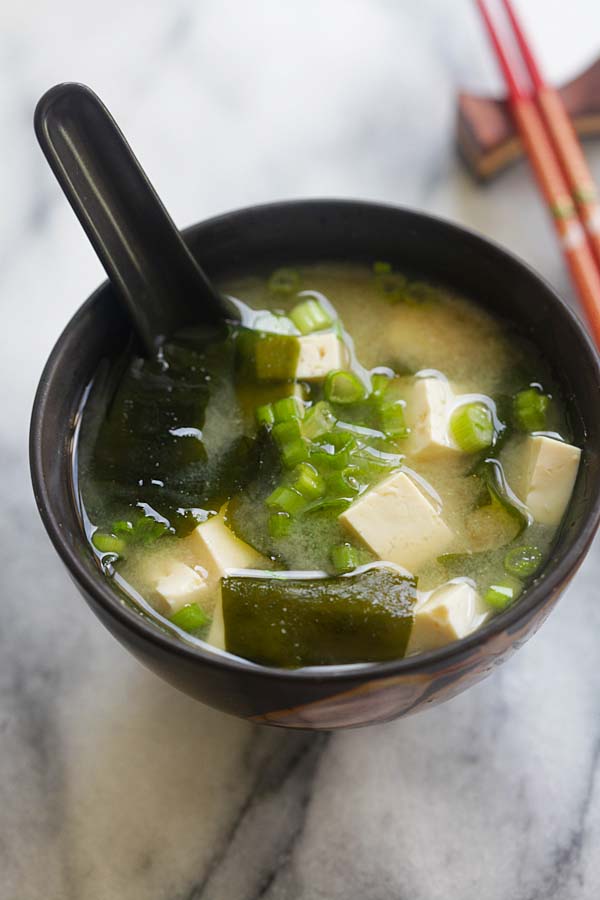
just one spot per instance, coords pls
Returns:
(290, 622)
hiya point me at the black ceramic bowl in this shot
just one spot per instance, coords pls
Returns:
(336, 696)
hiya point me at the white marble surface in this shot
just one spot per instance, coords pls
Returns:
(112, 785)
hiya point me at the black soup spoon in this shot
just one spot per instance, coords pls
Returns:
(144, 254)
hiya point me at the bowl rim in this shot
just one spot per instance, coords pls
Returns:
(97, 586)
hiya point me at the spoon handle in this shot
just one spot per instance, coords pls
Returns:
(136, 240)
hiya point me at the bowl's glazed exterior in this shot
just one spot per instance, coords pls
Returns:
(336, 696)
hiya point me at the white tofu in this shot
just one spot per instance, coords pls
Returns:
(216, 548)
(319, 354)
(450, 612)
(399, 523)
(182, 585)
(548, 475)
(428, 408)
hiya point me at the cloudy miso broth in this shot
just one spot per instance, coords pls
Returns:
(365, 466)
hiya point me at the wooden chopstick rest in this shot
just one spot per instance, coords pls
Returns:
(486, 136)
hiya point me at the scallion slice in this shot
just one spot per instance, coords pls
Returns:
(190, 618)
(523, 561)
(392, 420)
(500, 595)
(308, 482)
(530, 408)
(472, 427)
(284, 281)
(264, 414)
(318, 420)
(288, 408)
(108, 543)
(286, 499)
(344, 387)
(279, 524)
(344, 557)
(310, 316)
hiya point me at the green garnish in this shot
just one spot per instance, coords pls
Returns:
(284, 281)
(308, 482)
(310, 316)
(279, 524)
(190, 618)
(288, 408)
(523, 561)
(108, 543)
(472, 427)
(264, 414)
(392, 420)
(286, 499)
(344, 387)
(500, 596)
(318, 420)
(345, 557)
(530, 408)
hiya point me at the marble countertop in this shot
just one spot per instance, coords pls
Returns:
(112, 785)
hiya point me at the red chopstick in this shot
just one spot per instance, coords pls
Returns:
(551, 181)
(564, 139)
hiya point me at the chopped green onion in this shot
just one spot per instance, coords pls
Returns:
(500, 596)
(344, 387)
(382, 268)
(345, 557)
(523, 561)
(318, 420)
(294, 452)
(530, 408)
(339, 440)
(310, 316)
(379, 385)
(343, 483)
(286, 432)
(279, 524)
(284, 281)
(108, 543)
(286, 500)
(325, 461)
(122, 528)
(472, 427)
(190, 618)
(288, 408)
(264, 414)
(393, 422)
(308, 482)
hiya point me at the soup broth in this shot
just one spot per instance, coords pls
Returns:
(365, 466)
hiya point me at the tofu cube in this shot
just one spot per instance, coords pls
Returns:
(319, 354)
(450, 612)
(182, 585)
(216, 548)
(399, 523)
(428, 407)
(548, 477)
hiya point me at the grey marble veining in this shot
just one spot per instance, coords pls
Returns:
(112, 785)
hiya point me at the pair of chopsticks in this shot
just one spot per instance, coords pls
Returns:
(556, 157)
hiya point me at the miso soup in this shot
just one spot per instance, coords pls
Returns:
(364, 466)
